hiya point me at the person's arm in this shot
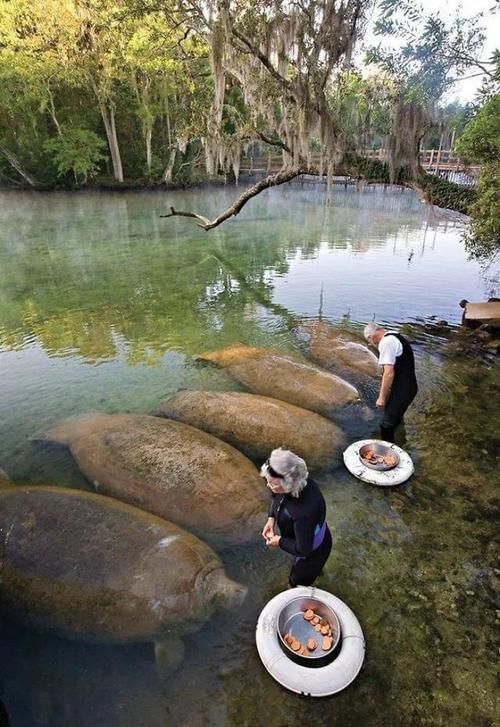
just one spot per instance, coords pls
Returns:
(386, 385)
(268, 529)
(302, 544)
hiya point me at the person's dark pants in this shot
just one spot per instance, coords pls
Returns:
(398, 403)
(305, 570)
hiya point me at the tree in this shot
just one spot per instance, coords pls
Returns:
(78, 151)
(433, 54)
(480, 144)
(284, 56)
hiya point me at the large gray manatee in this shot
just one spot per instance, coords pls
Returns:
(169, 469)
(89, 567)
(333, 347)
(284, 377)
(257, 424)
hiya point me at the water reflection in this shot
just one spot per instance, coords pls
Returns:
(86, 273)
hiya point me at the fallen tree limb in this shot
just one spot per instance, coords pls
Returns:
(204, 221)
(273, 180)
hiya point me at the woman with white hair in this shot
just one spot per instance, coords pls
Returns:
(298, 509)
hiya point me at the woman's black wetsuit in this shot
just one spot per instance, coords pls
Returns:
(304, 532)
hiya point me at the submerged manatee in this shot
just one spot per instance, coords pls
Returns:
(335, 347)
(258, 424)
(284, 377)
(88, 567)
(170, 469)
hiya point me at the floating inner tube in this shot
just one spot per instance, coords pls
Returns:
(311, 682)
(389, 478)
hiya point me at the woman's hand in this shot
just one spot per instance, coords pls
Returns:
(274, 541)
(268, 531)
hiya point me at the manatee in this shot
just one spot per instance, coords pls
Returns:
(169, 469)
(285, 377)
(257, 424)
(334, 347)
(88, 567)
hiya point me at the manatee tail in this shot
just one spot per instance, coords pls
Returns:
(67, 430)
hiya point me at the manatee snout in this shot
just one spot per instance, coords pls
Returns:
(226, 593)
(236, 595)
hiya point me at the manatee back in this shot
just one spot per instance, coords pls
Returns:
(257, 424)
(87, 566)
(295, 381)
(174, 471)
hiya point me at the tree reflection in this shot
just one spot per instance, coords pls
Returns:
(96, 277)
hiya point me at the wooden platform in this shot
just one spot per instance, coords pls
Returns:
(479, 313)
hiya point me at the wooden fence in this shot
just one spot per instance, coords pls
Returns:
(441, 162)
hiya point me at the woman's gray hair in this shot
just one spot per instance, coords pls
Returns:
(370, 329)
(292, 467)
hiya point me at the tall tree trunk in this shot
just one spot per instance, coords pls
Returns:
(108, 117)
(167, 174)
(53, 110)
(148, 133)
(114, 148)
(16, 164)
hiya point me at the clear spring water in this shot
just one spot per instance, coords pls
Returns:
(102, 306)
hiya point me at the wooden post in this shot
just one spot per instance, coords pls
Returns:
(439, 153)
(431, 159)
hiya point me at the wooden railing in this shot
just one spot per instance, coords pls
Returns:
(431, 160)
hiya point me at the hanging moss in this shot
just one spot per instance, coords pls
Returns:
(410, 121)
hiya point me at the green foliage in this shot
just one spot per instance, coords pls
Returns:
(446, 194)
(137, 80)
(79, 151)
(480, 143)
(372, 169)
(483, 239)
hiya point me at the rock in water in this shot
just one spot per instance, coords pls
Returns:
(169, 469)
(88, 567)
(333, 347)
(257, 424)
(285, 377)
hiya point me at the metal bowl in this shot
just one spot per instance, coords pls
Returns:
(380, 450)
(291, 621)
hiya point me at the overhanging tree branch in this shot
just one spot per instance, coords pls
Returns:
(274, 142)
(273, 180)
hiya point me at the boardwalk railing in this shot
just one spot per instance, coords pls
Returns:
(440, 162)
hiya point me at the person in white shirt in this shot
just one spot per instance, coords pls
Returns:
(399, 384)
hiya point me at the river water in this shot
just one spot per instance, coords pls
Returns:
(103, 304)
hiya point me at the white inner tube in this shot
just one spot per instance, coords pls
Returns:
(389, 478)
(311, 682)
